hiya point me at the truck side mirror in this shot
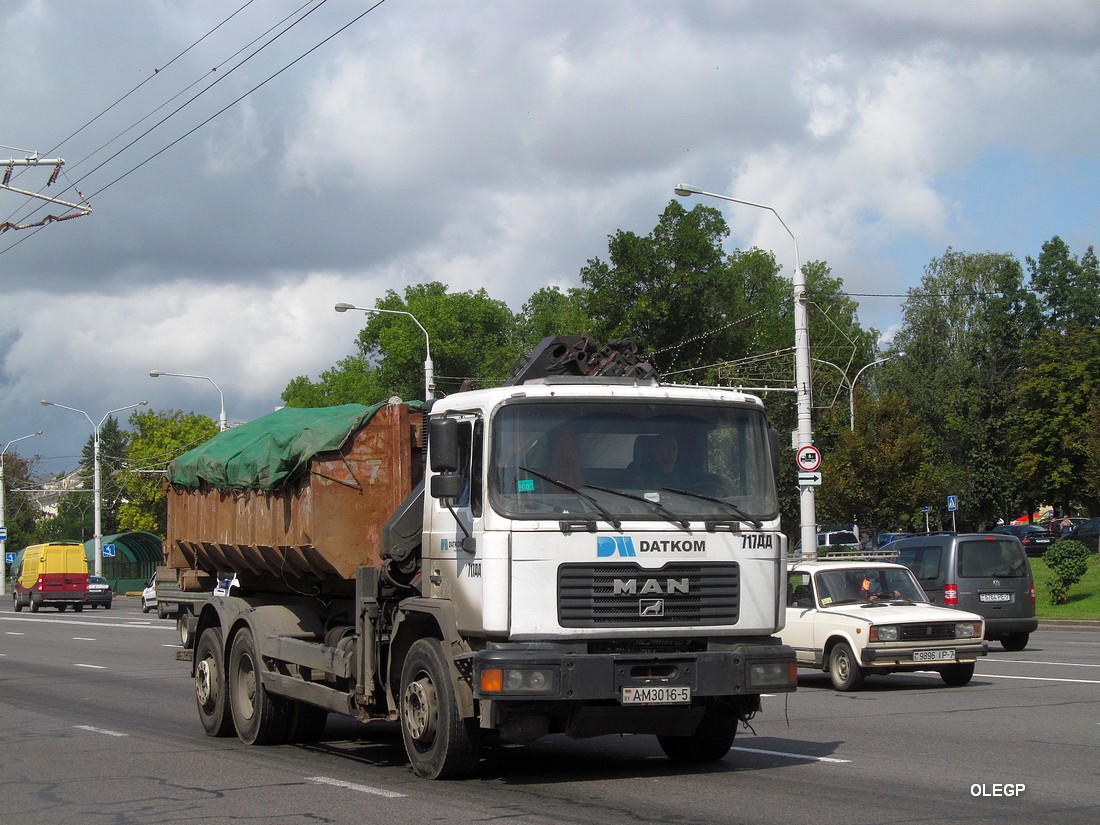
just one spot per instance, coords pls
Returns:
(448, 485)
(443, 446)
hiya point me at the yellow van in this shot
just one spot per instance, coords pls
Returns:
(55, 575)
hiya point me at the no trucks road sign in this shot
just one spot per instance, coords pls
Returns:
(808, 458)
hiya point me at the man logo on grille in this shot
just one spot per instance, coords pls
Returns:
(651, 607)
(607, 546)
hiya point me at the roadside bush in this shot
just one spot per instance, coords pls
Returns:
(1068, 561)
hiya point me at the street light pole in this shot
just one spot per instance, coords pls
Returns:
(222, 423)
(3, 523)
(803, 436)
(97, 493)
(429, 369)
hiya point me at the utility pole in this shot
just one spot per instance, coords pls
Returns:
(32, 159)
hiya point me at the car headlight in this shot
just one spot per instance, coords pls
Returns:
(884, 633)
(968, 630)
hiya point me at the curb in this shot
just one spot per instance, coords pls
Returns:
(1068, 624)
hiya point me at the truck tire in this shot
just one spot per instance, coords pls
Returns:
(844, 671)
(162, 610)
(307, 722)
(439, 742)
(210, 687)
(260, 718)
(182, 627)
(710, 742)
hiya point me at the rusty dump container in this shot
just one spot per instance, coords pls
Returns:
(310, 535)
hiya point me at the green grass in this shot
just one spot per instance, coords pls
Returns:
(1084, 597)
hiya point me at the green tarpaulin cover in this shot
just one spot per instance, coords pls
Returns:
(266, 453)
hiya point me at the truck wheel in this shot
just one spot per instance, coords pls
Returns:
(710, 742)
(261, 719)
(18, 603)
(162, 610)
(844, 670)
(440, 744)
(1015, 641)
(307, 722)
(210, 687)
(957, 675)
(182, 627)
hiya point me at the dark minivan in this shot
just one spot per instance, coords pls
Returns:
(984, 573)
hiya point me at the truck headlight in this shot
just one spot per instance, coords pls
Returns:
(773, 674)
(968, 630)
(884, 633)
(517, 680)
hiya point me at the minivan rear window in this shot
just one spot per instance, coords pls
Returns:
(923, 561)
(991, 559)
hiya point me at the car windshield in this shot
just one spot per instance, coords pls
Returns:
(867, 584)
(623, 459)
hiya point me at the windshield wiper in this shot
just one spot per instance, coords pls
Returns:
(607, 514)
(733, 508)
(656, 505)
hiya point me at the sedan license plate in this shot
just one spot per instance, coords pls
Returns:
(994, 597)
(659, 695)
(934, 656)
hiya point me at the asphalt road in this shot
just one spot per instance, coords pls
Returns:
(98, 725)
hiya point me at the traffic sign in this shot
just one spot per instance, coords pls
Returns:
(108, 551)
(9, 558)
(3, 533)
(952, 503)
(809, 479)
(808, 458)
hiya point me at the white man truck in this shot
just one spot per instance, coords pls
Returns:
(471, 586)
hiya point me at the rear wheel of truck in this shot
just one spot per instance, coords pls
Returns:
(260, 718)
(711, 741)
(162, 610)
(210, 687)
(182, 626)
(439, 742)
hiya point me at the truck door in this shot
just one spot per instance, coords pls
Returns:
(453, 558)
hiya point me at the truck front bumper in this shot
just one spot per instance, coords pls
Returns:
(549, 672)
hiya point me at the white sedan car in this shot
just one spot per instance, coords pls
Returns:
(853, 617)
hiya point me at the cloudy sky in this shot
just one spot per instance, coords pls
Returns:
(239, 190)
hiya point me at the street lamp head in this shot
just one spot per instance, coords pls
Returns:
(683, 190)
(46, 403)
(342, 307)
(156, 373)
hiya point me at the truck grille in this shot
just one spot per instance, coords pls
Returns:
(627, 595)
(927, 632)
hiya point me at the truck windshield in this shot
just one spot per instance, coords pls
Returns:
(631, 460)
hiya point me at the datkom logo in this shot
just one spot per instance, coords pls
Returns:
(607, 546)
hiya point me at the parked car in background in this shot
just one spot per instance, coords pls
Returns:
(1035, 539)
(1088, 533)
(985, 573)
(100, 592)
(852, 618)
(879, 540)
(834, 541)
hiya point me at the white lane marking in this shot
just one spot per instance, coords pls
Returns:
(104, 731)
(153, 625)
(325, 780)
(988, 661)
(1040, 679)
(93, 667)
(14, 633)
(792, 755)
(83, 639)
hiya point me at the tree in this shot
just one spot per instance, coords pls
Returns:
(1069, 288)
(963, 333)
(20, 512)
(548, 312)
(158, 437)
